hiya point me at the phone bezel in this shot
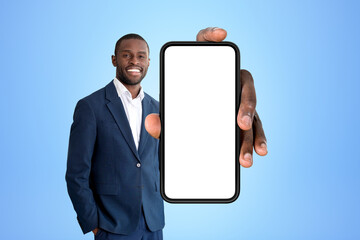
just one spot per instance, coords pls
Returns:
(162, 117)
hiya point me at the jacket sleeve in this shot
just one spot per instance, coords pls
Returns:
(81, 146)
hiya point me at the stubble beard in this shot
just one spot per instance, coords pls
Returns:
(125, 80)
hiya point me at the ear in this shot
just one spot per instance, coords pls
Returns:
(149, 62)
(113, 60)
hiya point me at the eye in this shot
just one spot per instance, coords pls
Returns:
(141, 56)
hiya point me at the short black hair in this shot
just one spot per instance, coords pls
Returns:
(130, 36)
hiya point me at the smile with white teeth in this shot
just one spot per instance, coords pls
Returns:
(133, 70)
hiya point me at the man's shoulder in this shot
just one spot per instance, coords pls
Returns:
(96, 97)
(152, 101)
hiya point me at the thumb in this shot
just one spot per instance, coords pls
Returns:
(211, 34)
(153, 125)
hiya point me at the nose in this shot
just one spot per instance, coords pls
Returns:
(134, 60)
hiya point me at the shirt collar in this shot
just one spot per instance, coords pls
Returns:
(122, 90)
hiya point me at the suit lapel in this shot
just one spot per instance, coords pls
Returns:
(117, 110)
(143, 133)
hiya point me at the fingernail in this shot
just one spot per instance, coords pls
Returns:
(263, 146)
(248, 157)
(246, 120)
(214, 28)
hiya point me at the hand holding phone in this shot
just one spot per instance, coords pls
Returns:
(252, 132)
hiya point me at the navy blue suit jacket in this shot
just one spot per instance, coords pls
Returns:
(107, 178)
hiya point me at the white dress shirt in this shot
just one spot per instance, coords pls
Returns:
(132, 107)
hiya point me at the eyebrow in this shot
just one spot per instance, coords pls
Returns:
(131, 51)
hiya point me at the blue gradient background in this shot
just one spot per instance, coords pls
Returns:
(304, 57)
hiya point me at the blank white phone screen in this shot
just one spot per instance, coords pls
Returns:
(200, 121)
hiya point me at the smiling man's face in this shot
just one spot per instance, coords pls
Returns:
(131, 61)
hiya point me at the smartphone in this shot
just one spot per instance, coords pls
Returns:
(200, 89)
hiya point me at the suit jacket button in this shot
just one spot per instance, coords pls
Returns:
(138, 165)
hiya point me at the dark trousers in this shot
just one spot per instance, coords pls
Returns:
(142, 232)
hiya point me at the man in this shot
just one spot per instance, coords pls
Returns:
(113, 169)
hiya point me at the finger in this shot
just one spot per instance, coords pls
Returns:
(248, 101)
(246, 152)
(260, 143)
(211, 34)
(153, 125)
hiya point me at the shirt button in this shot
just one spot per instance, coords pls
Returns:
(138, 165)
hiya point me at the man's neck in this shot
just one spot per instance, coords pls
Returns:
(133, 89)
